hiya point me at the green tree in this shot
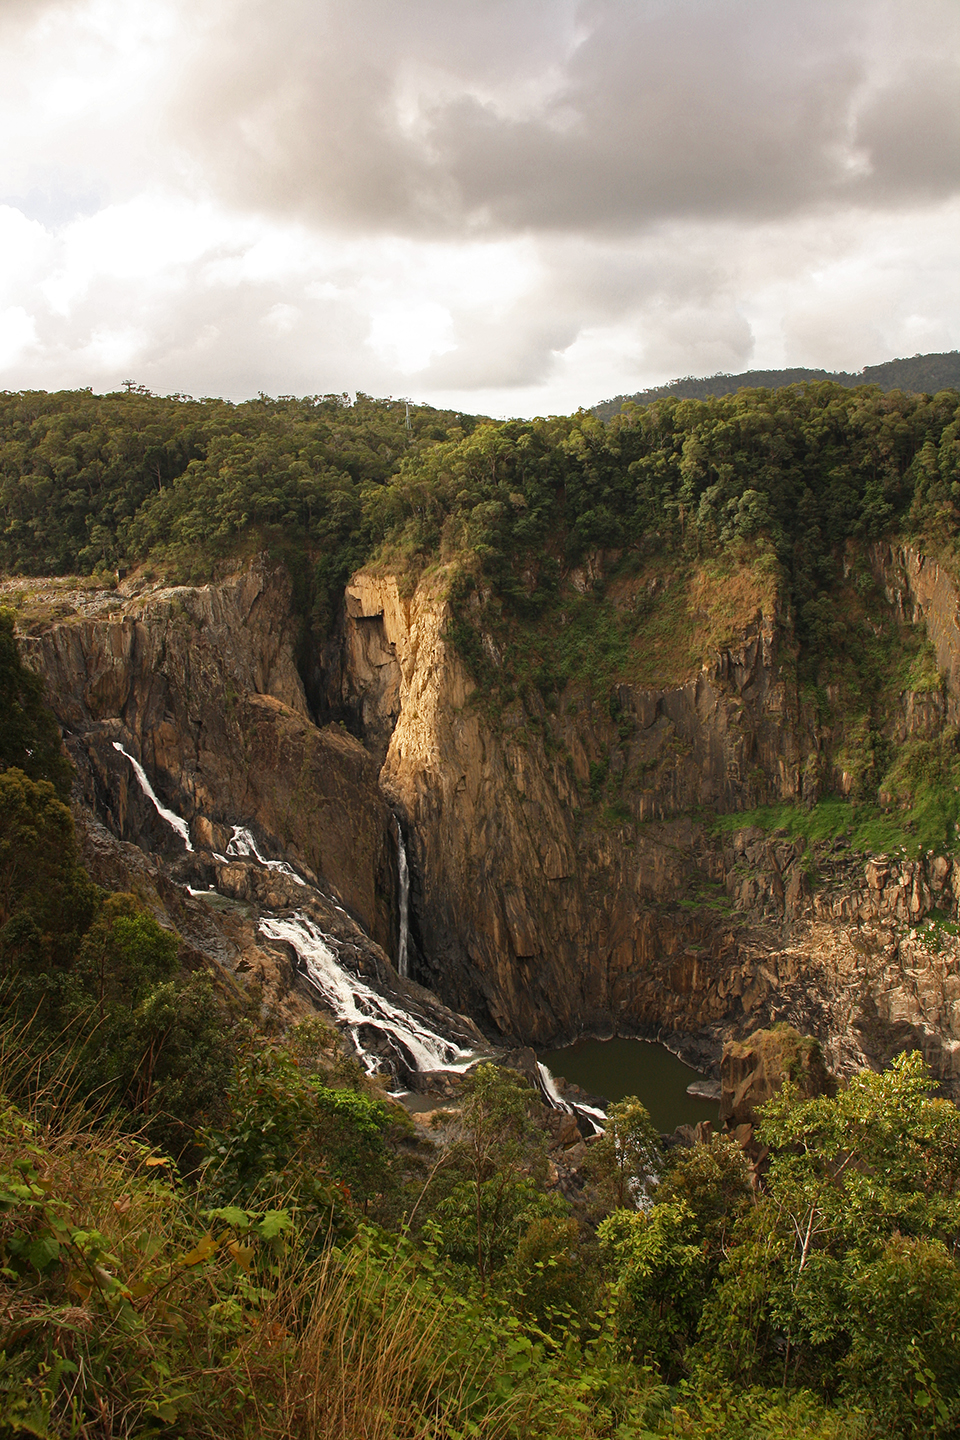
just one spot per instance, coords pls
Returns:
(46, 898)
(665, 1258)
(491, 1183)
(844, 1277)
(626, 1161)
(288, 1136)
(29, 737)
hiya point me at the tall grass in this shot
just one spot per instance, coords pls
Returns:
(127, 1309)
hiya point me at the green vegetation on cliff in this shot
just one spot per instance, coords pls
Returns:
(578, 557)
(92, 482)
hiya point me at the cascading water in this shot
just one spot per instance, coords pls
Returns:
(172, 819)
(242, 846)
(403, 885)
(555, 1100)
(355, 1004)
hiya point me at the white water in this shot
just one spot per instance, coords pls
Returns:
(172, 819)
(354, 1004)
(548, 1085)
(403, 877)
(242, 846)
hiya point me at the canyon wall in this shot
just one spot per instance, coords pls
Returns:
(547, 913)
(199, 685)
(568, 876)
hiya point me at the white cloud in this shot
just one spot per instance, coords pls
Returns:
(409, 335)
(518, 205)
(18, 332)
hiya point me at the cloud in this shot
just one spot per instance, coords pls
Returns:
(604, 116)
(513, 205)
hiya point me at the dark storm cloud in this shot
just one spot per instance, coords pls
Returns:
(436, 117)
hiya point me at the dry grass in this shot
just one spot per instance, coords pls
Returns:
(126, 1311)
(680, 616)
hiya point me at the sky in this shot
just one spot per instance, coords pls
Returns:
(509, 207)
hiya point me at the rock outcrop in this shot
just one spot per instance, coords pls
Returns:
(567, 878)
(753, 1071)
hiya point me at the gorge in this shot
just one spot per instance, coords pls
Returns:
(579, 870)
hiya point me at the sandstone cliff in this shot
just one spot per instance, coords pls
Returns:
(567, 877)
(199, 685)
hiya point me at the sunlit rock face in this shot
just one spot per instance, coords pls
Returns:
(204, 784)
(545, 919)
(199, 684)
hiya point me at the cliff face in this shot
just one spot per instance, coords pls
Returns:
(547, 914)
(530, 913)
(204, 786)
(199, 685)
(921, 590)
(565, 879)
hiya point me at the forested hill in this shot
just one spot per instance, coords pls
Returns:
(91, 484)
(921, 374)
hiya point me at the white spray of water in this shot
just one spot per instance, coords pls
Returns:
(403, 877)
(549, 1087)
(242, 846)
(172, 819)
(354, 1004)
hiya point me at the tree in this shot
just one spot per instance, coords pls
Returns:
(29, 737)
(666, 1257)
(626, 1161)
(495, 1165)
(845, 1277)
(46, 898)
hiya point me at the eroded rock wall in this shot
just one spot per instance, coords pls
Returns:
(535, 913)
(546, 914)
(199, 684)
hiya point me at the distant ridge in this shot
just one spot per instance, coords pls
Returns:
(923, 374)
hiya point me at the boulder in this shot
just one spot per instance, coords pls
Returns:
(753, 1070)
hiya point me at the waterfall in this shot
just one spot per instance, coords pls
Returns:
(242, 846)
(403, 878)
(550, 1091)
(355, 1004)
(171, 818)
(555, 1100)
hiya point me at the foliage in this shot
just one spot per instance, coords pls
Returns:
(929, 373)
(289, 1137)
(90, 483)
(29, 738)
(845, 1277)
(625, 1163)
(490, 1188)
(46, 899)
(130, 1309)
(667, 1256)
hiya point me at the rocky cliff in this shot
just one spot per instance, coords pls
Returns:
(198, 685)
(203, 785)
(547, 913)
(568, 876)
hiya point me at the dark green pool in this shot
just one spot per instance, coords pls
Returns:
(616, 1068)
